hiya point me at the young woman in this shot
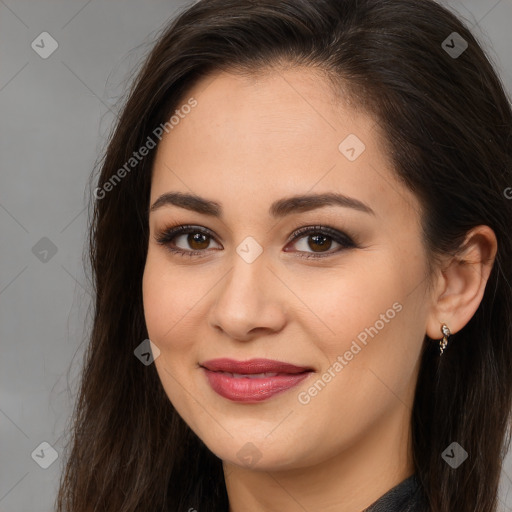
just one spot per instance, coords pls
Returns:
(302, 264)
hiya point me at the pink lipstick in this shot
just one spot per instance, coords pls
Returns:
(254, 380)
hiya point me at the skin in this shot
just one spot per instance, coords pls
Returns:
(249, 142)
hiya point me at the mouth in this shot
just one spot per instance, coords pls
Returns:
(253, 375)
(253, 366)
(254, 380)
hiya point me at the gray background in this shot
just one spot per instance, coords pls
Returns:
(55, 114)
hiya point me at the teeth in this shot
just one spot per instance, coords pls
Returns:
(252, 375)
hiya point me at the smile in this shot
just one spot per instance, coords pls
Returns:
(249, 383)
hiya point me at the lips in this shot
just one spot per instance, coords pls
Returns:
(254, 380)
(252, 366)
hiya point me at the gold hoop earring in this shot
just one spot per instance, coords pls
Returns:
(446, 332)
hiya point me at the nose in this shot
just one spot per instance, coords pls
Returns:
(250, 301)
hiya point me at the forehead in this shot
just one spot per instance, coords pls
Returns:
(275, 134)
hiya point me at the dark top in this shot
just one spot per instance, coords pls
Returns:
(404, 497)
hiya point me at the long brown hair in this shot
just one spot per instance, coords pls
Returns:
(448, 124)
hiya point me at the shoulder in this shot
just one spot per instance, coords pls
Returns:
(407, 496)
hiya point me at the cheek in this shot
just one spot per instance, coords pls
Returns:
(168, 299)
(366, 315)
(166, 305)
(343, 301)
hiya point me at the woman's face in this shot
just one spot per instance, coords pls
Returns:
(346, 301)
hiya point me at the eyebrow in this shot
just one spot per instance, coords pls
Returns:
(278, 209)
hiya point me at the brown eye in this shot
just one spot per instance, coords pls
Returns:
(189, 240)
(320, 243)
(315, 241)
(196, 240)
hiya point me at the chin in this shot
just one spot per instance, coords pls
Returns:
(273, 456)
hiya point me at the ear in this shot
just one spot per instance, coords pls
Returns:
(461, 282)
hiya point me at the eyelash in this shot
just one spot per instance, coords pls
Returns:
(166, 236)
